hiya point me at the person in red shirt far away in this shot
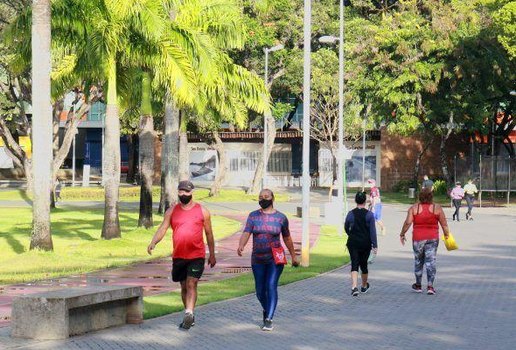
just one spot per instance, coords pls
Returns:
(188, 220)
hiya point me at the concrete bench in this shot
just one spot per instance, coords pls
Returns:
(67, 312)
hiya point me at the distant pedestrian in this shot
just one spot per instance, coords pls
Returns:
(268, 258)
(426, 217)
(361, 230)
(58, 187)
(470, 190)
(376, 204)
(456, 195)
(427, 183)
(188, 220)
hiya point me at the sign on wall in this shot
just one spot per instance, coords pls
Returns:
(354, 165)
(203, 163)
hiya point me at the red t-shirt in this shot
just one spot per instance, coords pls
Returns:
(425, 224)
(187, 230)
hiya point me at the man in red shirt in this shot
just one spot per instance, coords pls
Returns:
(188, 220)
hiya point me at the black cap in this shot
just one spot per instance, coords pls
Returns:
(185, 186)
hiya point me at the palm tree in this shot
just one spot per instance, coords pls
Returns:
(131, 33)
(169, 155)
(224, 91)
(41, 126)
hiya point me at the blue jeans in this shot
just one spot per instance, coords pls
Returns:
(266, 277)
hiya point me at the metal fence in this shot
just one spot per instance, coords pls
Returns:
(490, 173)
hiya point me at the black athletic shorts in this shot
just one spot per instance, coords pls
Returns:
(183, 268)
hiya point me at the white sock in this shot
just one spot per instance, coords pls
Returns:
(188, 311)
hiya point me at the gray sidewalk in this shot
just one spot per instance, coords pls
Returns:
(474, 307)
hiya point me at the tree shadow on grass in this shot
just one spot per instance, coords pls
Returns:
(15, 244)
(25, 197)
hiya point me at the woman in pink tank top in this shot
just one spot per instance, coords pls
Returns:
(425, 217)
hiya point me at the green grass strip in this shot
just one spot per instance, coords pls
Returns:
(328, 254)
(132, 194)
(78, 247)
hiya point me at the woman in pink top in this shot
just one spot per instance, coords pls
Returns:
(456, 195)
(426, 217)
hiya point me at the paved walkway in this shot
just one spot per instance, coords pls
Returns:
(474, 308)
(153, 276)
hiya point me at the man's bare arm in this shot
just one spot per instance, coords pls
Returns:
(208, 231)
(161, 232)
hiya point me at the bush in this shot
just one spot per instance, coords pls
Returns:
(440, 187)
(402, 186)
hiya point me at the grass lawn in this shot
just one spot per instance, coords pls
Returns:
(132, 194)
(77, 244)
(328, 254)
(402, 198)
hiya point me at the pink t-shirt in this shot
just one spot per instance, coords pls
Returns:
(457, 193)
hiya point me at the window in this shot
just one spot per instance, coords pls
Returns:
(243, 161)
(280, 162)
(97, 111)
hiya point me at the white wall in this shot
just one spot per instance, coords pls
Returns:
(6, 162)
(241, 160)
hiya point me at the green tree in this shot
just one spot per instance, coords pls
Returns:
(423, 70)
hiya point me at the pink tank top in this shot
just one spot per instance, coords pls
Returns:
(425, 224)
(187, 230)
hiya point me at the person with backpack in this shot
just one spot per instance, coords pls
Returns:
(361, 230)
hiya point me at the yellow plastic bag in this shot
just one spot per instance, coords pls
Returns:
(450, 242)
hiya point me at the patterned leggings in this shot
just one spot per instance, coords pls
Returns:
(424, 254)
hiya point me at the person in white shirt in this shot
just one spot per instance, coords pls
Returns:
(470, 190)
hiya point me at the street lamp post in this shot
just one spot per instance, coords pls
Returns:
(267, 115)
(340, 161)
(73, 161)
(363, 152)
(307, 31)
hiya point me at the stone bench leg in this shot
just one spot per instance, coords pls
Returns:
(135, 311)
(46, 320)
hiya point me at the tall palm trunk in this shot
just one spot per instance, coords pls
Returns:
(184, 154)
(111, 227)
(41, 125)
(147, 138)
(169, 157)
(221, 170)
(131, 158)
(258, 174)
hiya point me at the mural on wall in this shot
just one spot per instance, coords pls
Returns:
(203, 163)
(353, 166)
